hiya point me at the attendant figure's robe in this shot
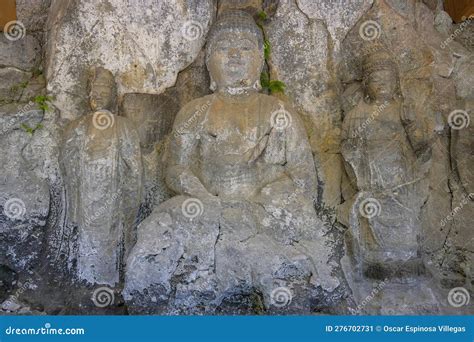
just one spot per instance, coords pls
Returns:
(103, 173)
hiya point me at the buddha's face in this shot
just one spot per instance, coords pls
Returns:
(235, 60)
(382, 84)
(101, 95)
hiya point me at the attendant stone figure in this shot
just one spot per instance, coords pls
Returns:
(243, 221)
(379, 141)
(101, 160)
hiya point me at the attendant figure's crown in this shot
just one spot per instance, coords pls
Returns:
(377, 58)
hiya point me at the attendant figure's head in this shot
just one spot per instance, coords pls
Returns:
(380, 76)
(102, 89)
(235, 52)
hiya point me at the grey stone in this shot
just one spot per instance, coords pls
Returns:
(13, 83)
(151, 42)
(153, 115)
(24, 197)
(309, 88)
(382, 145)
(339, 16)
(271, 253)
(36, 87)
(11, 304)
(33, 13)
(443, 23)
(463, 33)
(22, 54)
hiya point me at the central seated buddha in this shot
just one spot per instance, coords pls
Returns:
(243, 223)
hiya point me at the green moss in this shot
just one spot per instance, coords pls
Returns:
(262, 15)
(37, 72)
(42, 101)
(31, 130)
(272, 86)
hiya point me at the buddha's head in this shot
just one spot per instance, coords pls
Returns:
(234, 55)
(380, 76)
(102, 89)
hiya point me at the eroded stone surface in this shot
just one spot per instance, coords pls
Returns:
(309, 88)
(13, 83)
(247, 225)
(24, 196)
(315, 49)
(22, 54)
(102, 168)
(146, 48)
(339, 16)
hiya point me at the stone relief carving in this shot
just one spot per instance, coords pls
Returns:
(212, 209)
(242, 168)
(379, 144)
(102, 166)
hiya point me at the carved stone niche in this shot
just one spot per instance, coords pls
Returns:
(153, 115)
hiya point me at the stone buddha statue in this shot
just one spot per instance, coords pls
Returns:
(379, 141)
(101, 161)
(242, 221)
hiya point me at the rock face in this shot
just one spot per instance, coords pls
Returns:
(202, 211)
(151, 42)
(22, 54)
(310, 88)
(24, 197)
(338, 16)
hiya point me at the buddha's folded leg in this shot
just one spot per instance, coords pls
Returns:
(256, 263)
(249, 258)
(176, 240)
(290, 218)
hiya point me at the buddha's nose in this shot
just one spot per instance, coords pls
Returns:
(233, 52)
